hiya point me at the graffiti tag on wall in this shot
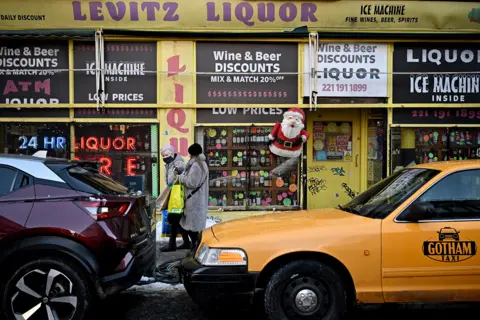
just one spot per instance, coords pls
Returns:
(316, 168)
(352, 194)
(315, 185)
(339, 171)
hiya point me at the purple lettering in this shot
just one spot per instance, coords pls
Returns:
(246, 16)
(171, 9)
(24, 85)
(288, 12)
(117, 12)
(96, 10)
(45, 86)
(133, 11)
(10, 87)
(227, 11)
(266, 12)
(211, 16)
(77, 11)
(150, 7)
(308, 12)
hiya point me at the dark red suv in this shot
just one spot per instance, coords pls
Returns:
(68, 234)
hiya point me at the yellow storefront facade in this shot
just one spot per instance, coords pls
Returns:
(382, 85)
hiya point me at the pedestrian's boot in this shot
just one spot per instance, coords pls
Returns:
(171, 246)
(186, 242)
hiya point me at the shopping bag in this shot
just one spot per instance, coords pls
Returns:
(162, 200)
(176, 202)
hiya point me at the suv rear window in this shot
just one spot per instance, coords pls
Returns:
(86, 179)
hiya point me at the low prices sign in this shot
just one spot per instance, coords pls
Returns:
(349, 70)
(126, 76)
(445, 78)
(29, 72)
(250, 73)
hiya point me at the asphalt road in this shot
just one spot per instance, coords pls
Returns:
(176, 305)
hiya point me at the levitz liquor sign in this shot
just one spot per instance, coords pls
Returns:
(449, 247)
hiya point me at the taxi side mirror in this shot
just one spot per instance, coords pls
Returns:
(420, 211)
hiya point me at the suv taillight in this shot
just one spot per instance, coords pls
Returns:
(102, 210)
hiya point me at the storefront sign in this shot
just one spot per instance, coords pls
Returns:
(241, 58)
(34, 113)
(454, 87)
(436, 116)
(130, 72)
(114, 113)
(349, 70)
(240, 115)
(26, 72)
(46, 143)
(182, 15)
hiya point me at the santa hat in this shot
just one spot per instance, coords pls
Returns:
(295, 112)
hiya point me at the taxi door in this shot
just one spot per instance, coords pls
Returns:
(435, 260)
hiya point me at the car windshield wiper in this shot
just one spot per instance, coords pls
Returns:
(350, 209)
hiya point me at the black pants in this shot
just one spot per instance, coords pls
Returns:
(175, 228)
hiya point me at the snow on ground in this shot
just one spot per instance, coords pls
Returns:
(156, 287)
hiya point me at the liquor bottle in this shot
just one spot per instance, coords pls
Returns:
(262, 158)
(262, 180)
(235, 199)
(224, 200)
(235, 138)
(242, 137)
(254, 159)
(468, 138)
(240, 161)
(253, 133)
(478, 138)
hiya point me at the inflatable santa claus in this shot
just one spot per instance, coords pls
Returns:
(287, 138)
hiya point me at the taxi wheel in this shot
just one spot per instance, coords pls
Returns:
(305, 289)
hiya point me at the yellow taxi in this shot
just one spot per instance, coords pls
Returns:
(412, 237)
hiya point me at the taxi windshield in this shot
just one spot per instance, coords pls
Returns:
(384, 197)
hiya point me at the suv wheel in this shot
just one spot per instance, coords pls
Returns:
(45, 289)
(305, 289)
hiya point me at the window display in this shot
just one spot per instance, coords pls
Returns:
(420, 145)
(125, 151)
(28, 138)
(332, 141)
(241, 164)
(376, 140)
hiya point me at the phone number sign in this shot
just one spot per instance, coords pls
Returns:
(349, 70)
(436, 115)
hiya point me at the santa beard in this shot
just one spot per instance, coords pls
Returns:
(289, 131)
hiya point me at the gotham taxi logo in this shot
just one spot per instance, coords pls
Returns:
(449, 248)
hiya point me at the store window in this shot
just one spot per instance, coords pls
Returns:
(419, 145)
(375, 149)
(28, 138)
(244, 174)
(127, 152)
(332, 141)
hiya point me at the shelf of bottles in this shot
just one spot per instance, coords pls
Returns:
(240, 165)
(441, 144)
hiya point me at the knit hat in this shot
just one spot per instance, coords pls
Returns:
(195, 149)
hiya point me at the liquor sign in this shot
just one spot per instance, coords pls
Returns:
(424, 116)
(127, 79)
(242, 58)
(240, 115)
(120, 148)
(455, 87)
(29, 72)
(349, 70)
(239, 15)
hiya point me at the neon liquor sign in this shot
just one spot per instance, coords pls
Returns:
(105, 144)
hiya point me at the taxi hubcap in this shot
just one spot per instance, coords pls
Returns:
(306, 300)
(306, 296)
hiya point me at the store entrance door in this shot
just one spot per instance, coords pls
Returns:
(333, 157)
